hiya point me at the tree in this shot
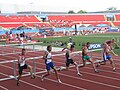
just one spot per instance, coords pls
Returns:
(111, 8)
(71, 12)
(81, 11)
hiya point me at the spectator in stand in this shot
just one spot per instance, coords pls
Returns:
(23, 34)
(21, 38)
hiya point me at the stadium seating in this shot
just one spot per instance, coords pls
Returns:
(20, 18)
(77, 17)
(13, 21)
(40, 24)
(117, 17)
(94, 23)
(117, 23)
(10, 25)
(69, 20)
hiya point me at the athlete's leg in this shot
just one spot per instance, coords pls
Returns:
(112, 63)
(77, 68)
(30, 70)
(48, 72)
(94, 67)
(20, 74)
(84, 62)
(57, 76)
(67, 65)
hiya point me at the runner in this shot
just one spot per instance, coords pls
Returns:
(107, 50)
(22, 65)
(69, 60)
(70, 42)
(86, 57)
(110, 42)
(49, 64)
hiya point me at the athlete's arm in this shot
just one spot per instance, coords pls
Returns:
(45, 55)
(113, 53)
(117, 44)
(64, 49)
(19, 59)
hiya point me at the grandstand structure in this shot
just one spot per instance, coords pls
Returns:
(67, 20)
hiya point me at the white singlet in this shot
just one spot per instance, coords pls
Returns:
(49, 57)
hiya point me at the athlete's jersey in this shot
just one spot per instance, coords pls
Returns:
(83, 53)
(107, 49)
(22, 60)
(69, 45)
(68, 56)
(48, 57)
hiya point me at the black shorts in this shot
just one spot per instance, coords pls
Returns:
(21, 68)
(69, 61)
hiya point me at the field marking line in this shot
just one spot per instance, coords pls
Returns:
(26, 82)
(12, 77)
(32, 85)
(4, 87)
(66, 84)
(117, 79)
(53, 81)
(92, 81)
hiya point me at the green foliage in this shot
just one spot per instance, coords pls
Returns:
(71, 12)
(81, 11)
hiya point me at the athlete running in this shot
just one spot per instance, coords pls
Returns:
(69, 60)
(22, 65)
(107, 50)
(49, 63)
(86, 57)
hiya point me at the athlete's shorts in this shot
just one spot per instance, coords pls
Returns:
(49, 65)
(86, 58)
(106, 57)
(69, 61)
(21, 68)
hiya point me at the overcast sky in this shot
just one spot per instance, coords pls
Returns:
(65, 5)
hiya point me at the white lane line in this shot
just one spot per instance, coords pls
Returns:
(108, 85)
(32, 85)
(56, 81)
(4, 88)
(28, 83)
(91, 69)
(98, 75)
(92, 81)
(90, 73)
(3, 74)
(66, 84)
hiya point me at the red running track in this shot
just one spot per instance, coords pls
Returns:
(105, 80)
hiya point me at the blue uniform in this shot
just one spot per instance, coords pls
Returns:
(106, 57)
(49, 63)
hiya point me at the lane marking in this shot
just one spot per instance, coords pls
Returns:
(3, 87)
(73, 86)
(32, 85)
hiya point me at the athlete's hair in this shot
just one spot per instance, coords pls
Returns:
(23, 49)
(48, 47)
(88, 43)
(72, 46)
